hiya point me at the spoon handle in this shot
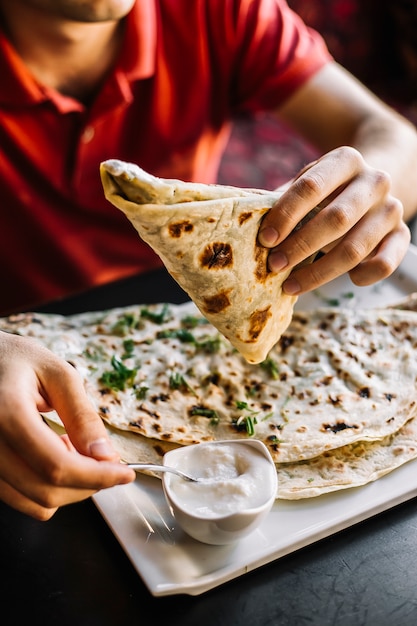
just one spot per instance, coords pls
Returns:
(161, 468)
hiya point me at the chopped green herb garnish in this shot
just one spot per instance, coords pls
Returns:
(210, 413)
(177, 333)
(191, 321)
(177, 381)
(251, 419)
(157, 318)
(210, 345)
(119, 377)
(125, 324)
(283, 410)
(248, 423)
(129, 346)
(271, 367)
(141, 392)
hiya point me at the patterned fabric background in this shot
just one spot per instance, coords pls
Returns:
(367, 37)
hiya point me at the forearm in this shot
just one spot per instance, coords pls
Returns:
(333, 109)
(390, 144)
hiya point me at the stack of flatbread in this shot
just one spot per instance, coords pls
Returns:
(334, 401)
(331, 392)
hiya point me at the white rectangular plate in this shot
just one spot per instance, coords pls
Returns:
(170, 563)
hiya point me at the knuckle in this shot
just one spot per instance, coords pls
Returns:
(338, 217)
(382, 180)
(55, 475)
(395, 208)
(353, 251)
(349, 154)
(386, 267)
(48, 502)
(43, 514)
(309, 185)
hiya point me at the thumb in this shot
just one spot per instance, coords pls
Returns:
(83, 425)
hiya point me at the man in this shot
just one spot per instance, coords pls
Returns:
(157, 82)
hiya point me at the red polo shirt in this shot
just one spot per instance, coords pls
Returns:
(185, 70)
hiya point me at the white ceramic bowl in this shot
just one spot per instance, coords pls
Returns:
(237, 488)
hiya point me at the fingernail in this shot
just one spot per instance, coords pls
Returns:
(277, 261)
(101, 448)
(291, 287)
(268, 236)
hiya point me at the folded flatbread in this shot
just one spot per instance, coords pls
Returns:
(206, 235)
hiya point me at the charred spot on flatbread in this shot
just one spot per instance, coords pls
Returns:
(244, 217)
(217, 255)
(257, 322)
(177, 229)
(339, 426)
(160, 451)
(261, 263)
(217, 303)
(285, 342)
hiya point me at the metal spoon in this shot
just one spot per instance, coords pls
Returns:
(162, 468)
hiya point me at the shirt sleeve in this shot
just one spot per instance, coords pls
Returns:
(274, 53)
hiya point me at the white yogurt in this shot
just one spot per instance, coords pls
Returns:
(232, 477)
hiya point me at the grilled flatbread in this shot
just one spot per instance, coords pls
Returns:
(353, 465)
(342, 468)
(206, 235)
(131, 447)
(335, 377)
